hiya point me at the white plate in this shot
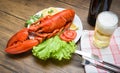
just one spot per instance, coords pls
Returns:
(76, 21)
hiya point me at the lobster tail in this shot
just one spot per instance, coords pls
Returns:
(67, 14)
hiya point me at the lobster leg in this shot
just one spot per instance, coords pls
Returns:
(53, 33)
(42, 35)
(21, 47)
(68, 26)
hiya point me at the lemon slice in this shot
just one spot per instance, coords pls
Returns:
(73, 27)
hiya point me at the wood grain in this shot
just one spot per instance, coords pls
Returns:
(14, 13)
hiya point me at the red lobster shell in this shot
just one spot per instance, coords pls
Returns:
(42, 29)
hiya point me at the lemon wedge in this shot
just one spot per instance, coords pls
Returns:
(73, 27)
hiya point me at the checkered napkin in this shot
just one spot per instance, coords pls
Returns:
(110, 54)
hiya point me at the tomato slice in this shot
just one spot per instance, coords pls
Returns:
(68, 35)
(64, 38)
(71, 34)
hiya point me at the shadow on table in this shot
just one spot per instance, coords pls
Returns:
(18, 56)
(51, 61)
(75, 60)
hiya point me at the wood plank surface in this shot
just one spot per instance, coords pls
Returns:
(14, 13)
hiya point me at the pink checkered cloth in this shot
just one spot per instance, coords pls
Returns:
(110, 54)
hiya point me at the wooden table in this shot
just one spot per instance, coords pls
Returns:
(14, 13)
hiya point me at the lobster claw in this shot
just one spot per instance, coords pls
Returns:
(21, 47)
(19, 36)
(19, 42)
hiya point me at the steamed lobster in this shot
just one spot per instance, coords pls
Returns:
(42, 29)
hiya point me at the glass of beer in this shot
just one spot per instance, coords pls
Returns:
(106, 23)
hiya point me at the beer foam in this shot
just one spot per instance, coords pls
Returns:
(106, 22)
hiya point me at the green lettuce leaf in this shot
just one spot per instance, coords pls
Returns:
(54, 48)
(33, 19)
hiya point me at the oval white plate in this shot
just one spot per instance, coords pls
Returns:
(76, 21)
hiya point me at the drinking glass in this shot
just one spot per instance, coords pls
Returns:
(106, 23)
